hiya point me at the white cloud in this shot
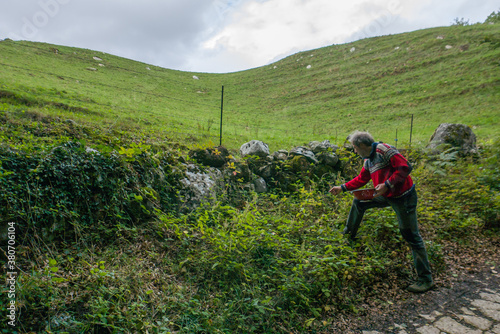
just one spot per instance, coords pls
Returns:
(223, 35)
(161, 32)
(262, 31)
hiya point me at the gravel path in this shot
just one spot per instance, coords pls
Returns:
(471, 306)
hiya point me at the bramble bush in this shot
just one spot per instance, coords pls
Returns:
(69, 191)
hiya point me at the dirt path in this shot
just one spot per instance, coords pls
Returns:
(466, 300)
(469, 306)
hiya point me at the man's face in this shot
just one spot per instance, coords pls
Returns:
(362, 150)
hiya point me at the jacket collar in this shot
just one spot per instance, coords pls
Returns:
(373, 152)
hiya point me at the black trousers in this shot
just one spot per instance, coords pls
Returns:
(406, 211)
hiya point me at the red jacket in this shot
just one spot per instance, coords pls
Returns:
(384, 165)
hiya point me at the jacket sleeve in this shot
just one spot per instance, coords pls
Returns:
(402, 169)
(359, 181)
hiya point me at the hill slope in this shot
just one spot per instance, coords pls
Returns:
(93, 169)
(446, 74)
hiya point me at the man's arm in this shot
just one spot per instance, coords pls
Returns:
(336, 190)
(357, 182)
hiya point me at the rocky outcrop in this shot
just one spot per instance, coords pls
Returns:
(284, 168)
(280, 155)
(305, 152)
(458, 136)
(254, 147)
(259, 171)
(325, 145)
(199, 186)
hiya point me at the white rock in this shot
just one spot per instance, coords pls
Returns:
(97, 58)
(428, 330)
(490, 297)
(428, 317)
(448, 47)
(485, 304)
(448, 325)
(309, 66)
(91, 150)
(199, 186)
(489, 309)
(353, 49)
(466, 311)
(195, 77)
(477, 322)
(431, 317)
(254, 147)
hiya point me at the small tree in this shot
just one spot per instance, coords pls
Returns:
(460, 22)
(493, 18)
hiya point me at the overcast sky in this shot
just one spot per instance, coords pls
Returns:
(221, 36)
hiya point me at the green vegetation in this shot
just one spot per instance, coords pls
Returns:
(92, 158)
(275, 264)
(376, 87)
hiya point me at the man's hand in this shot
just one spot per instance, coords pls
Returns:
(380, 190)
(336, 190)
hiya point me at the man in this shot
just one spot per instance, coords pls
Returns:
(389, 171)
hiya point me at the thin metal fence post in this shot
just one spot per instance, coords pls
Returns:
(221, 114)
(411, 130)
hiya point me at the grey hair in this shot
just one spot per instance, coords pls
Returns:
(358, 137)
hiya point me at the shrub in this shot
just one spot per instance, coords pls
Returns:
(69, 191)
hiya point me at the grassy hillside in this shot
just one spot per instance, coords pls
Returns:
(374, 84)
(93, 155)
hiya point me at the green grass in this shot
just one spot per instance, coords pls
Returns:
(376, 88)
(102, 247)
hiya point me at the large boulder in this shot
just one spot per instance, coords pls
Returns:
(280, 155)
(325, 152)
(305, 152)
(328, 158)
(457, 136)
(260, 185)
(254, 147)
(318, 146)
(199, 186)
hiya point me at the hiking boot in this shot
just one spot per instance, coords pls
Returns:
(421, 286)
